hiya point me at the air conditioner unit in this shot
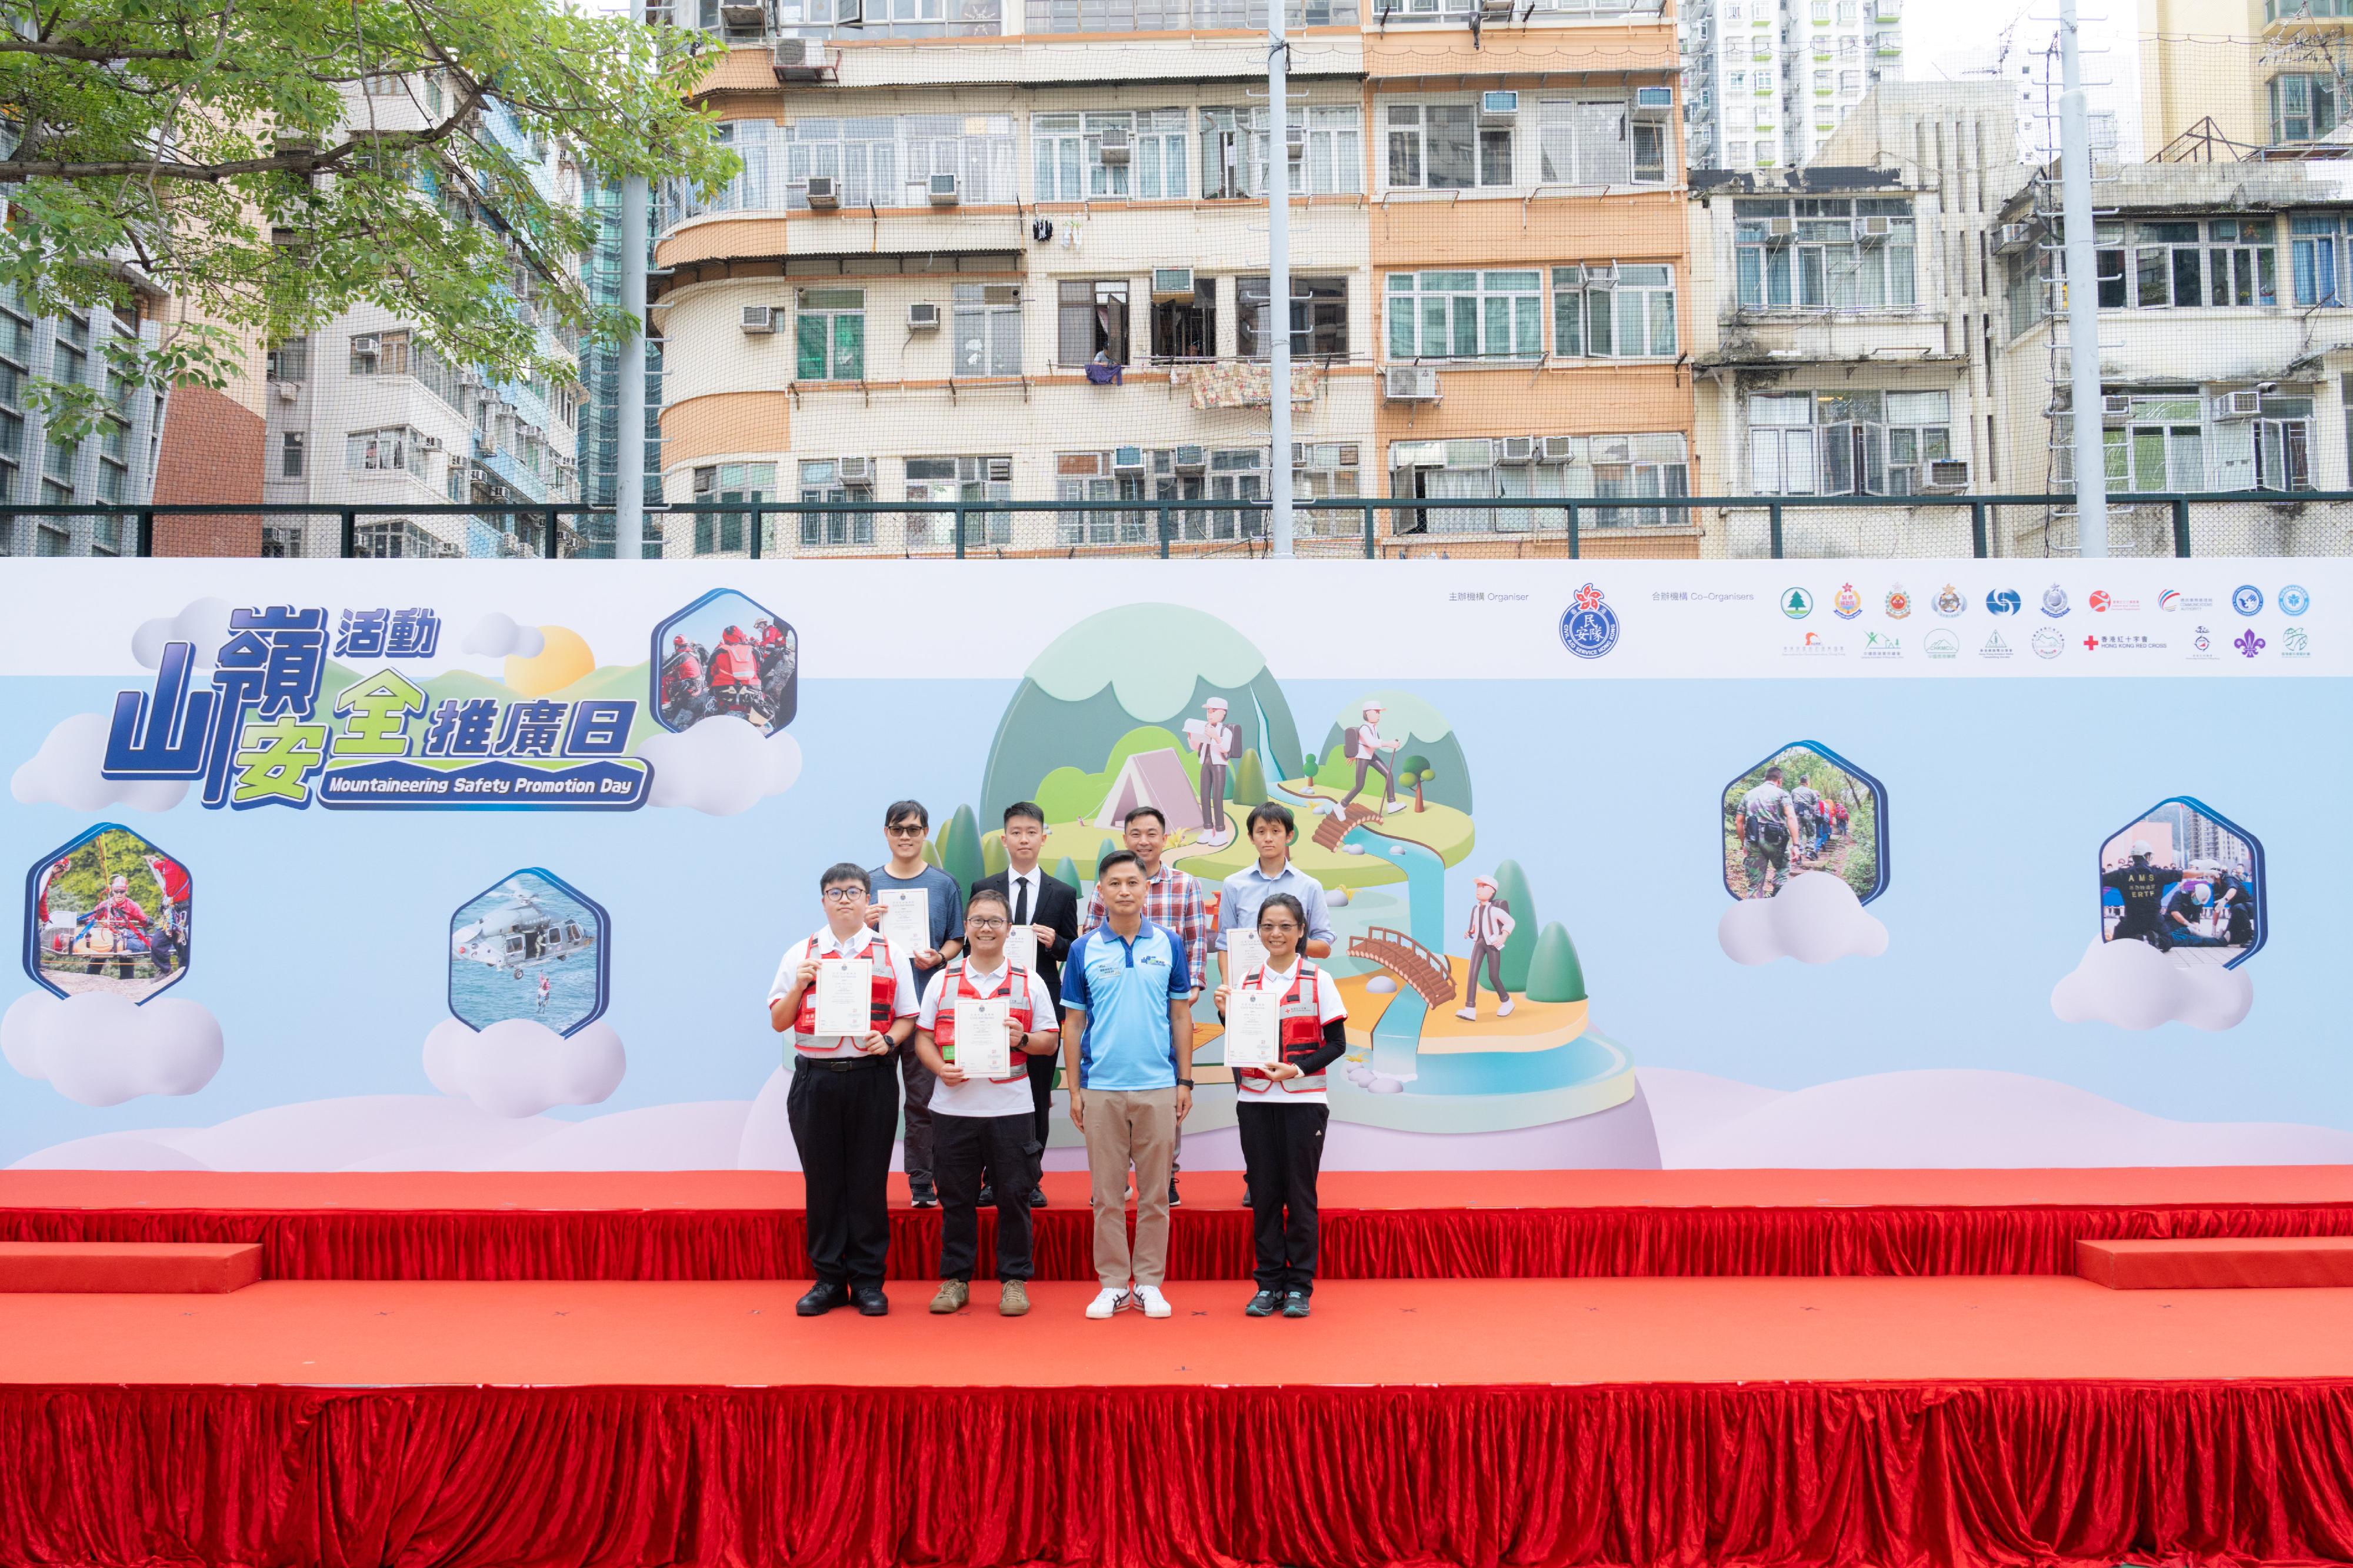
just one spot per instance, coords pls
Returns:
(1498, 108)
(1000, 470)
(1497, 10)
(1172, 282)
(743, 18)
(824, 193)
(946, 190)
(1115, 148)
(1949, 474)
(2234, 406)
(1515, 451)
(365, 345)
(428, 443)
(1127, 459)
(1410, 383)
(706, 479)
(1784, 229)
(1562, 448)
(1654, 103)
(924, 316)
(1351, 455)
(1877, 227)
(759, 320)
(2116, 412)
(288, 391)
(1190, 459)
(856, 470)
(1295, 142)
(2013, 236)
(798, 60)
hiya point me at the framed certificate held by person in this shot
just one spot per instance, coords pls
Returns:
(984, 1042)
(1245, 955)
(845, 996)
(1253, 1020)
(1021, 948)
(906, 918)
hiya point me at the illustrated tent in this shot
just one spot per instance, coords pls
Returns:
(1155, 779)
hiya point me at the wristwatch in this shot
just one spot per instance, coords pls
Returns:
(1183, 1083)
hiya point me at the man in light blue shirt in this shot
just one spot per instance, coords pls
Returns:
(1271, 827)
(1127, 1049)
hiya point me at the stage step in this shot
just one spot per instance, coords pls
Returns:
(2218, 1263)
(129, 1268)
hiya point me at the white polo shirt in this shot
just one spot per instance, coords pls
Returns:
(823, 945)
(1329, 1006)
(979, 1097)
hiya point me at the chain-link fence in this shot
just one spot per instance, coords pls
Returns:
(1736, 528)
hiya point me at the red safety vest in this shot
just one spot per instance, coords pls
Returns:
(886, 995)
(1019, 1016)
(734, 664)
(1301, 1033)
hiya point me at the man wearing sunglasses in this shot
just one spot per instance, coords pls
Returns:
(906, 826)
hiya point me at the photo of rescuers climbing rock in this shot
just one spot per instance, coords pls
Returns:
(2185, 880)
(1804, 809)
(110, 912)
(724, 654)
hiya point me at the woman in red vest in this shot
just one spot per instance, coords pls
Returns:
(1282, 1110)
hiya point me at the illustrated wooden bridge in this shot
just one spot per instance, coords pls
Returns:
(1333, 829)
(1426, 972)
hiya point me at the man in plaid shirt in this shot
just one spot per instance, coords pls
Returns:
(1171, 900)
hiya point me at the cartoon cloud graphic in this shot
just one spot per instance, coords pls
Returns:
(501, 637)
(102, 1049)
(721, 766)
(1815, 918)
(65, 771)
(204, 623)
(2131, 985)
(520, 1066)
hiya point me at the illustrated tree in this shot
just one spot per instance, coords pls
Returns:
(1310, 762)
(959, 847)
(1512, 887)
(1553, 974)
(992, 855)
(1066, 871)
(1415, 771)
(270, 164)
(931, 853)
(1105, 847)
(1249, 781)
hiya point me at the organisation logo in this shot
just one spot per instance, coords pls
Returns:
(2112, 642)
(2003, 601)
(1881, 645)
(2054, 600)
(2201, 645)
(1589, 627)
(2173, 600)
(2294, 643)
(2249, 643)
(1941, 644)
(2047, 643)
(1848, 604)
(1994, 647)
(2247, 599)
(1814, 646)
(2293, 600)
(1898, 603)
(1796, 604)
(1950, 601)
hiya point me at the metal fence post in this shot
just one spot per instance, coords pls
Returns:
(553, 549)
(1372, 532)
(351, 534)
(144, 544)
(1773, 521)
(1576, 527)
(759, 528)
(1165, 530)
(1978, 529)
(2181, 526)
(958, 517)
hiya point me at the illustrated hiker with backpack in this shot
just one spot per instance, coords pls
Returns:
(1362, 745)
(1768, 825)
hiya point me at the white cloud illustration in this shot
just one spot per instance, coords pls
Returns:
(501, 637)
(721, 766)
(520, 1066)
(205, 623)
(102, 1049)
(1815, 918)
(65, 771)
(2132, 986)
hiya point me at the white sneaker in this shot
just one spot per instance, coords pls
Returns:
(1154, 1304)
(1466, 1015)
(1505, 1010)
(1393, 807)
(1107, 1300)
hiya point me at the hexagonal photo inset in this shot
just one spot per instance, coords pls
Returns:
(2187, 880)
(726, 654)
(534, 947)
(109, 912)
(1804, 809)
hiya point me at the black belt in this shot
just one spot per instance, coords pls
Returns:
(840, 1064)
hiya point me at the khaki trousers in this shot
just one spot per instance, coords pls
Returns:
(1130, 1127)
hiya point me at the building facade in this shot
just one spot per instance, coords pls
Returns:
(1768, 81)
(115, 466)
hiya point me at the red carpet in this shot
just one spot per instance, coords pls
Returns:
(157, 1267)
(1416, 1224)
(2230, 1263)
(1684, 1423)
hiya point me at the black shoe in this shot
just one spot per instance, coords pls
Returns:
(926, 1198)
(1037, 1197)
(987, 1198)
(822, 1298)
(1172, 1199)
(872, 1303)
(1263, 1305)
(1246, 1203)
(1293, 1305)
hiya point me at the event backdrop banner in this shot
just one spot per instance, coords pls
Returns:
(402, 864)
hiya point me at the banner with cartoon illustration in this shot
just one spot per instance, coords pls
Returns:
(1625, 864)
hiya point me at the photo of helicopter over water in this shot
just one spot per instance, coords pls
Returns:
(528, 947)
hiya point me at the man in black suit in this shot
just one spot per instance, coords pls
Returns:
(1050, 910)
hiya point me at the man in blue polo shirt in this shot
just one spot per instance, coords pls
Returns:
(1127, 1048)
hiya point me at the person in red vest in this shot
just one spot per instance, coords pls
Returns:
(736, 672)
(171, 944)
(1281, 1111)
(843, 1106)
(981, 1125)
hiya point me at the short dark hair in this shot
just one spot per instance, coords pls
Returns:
(1115, 859)
(1028, 809)
(903, 809)
(1282, 902)
(1153, 812)
(1272, 811)
(1773, 773)
(846, 871)
(987, 895)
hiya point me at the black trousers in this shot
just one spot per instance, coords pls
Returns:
(843, 1122)
(1041, 1099)
(917, 1152)
(1282, 1151)
(961, 1147)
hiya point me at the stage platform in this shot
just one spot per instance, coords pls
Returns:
(1443, 1225)
(1674, 1423)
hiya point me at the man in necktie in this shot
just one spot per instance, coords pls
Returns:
(1049, 909)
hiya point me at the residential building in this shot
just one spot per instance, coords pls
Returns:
(600, 363)
(115, 466)
(1766, 81)
(1021, 255)
(2200, 71)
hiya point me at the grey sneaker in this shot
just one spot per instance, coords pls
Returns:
(1012, 1299)
(954, 1294)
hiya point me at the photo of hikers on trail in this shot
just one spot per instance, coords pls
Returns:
(110, 913)
(2182, 880)
(725, 655)
(1800, 811)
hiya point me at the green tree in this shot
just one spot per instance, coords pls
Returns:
(1512, 887)
(1311, 764)
(1105, 847)
(959, 844)
(931, 853)
(1553, 974)
(1249, 781)
(1414, 772)
(1066, 871)
(992, 855)
(272, 163)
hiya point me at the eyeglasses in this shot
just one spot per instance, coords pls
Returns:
(986, 923)
(845, 895)
(904, 830)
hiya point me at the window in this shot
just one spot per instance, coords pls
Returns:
(1185, 326)
(829, 335)
(1091, 328)
(1159, 157)
(72, 365)
(1466, 315)
(1325, 470)
(2272, 451)
(2313, 261)
(2166, 270)
(1442, 147)
(289, 455)
(823, 480)
(291, 360)
(381, 451)
(986, 322)
(1583, 141)
(1862, 442)
(1094, 477)
(978, 149)
(1058, 147)
(728, 484)
(1825, 255)
(2160, 447)
(1335, 161)
(1613, 312)
(1597, 467)
(959, 478)
(2223, 261)
(1177, 15)
(2242, 268)
(1067, 156)
(1319, 317)
(875, 160)
(2303, 108)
